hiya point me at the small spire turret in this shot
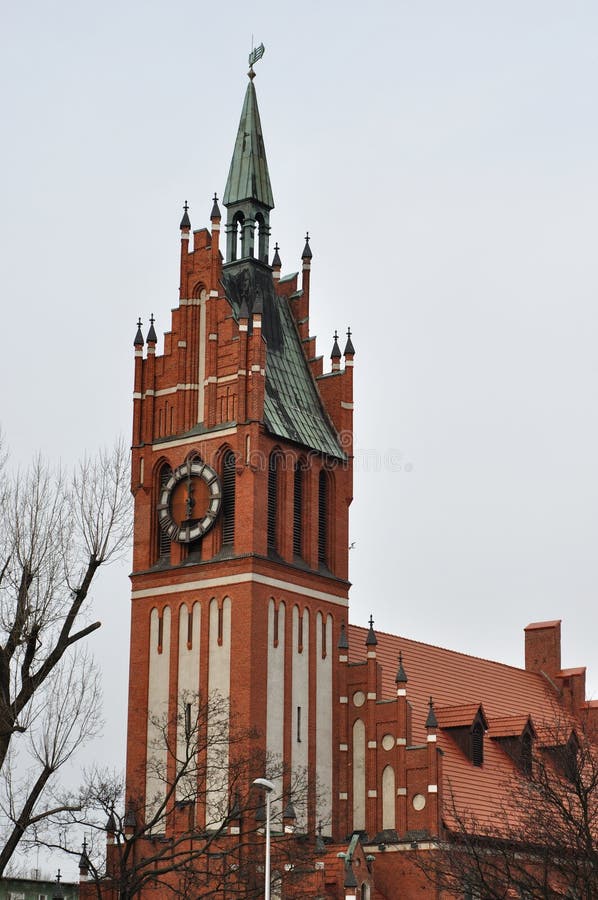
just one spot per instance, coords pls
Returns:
(138, 342)
(215, 214)
(151, 335)
(349, 348)
(336, 353)
(185, 221)
(401, 674)
(431, 720)
(343, 641)
(307, 254)
(320, 847)
(84, 863)
(371, 640)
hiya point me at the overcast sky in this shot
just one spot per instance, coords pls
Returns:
(443, 155)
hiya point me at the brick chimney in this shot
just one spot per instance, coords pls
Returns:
(543, 648)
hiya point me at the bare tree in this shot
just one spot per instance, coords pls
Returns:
(56, 530)
(543, 842)
(199, 829)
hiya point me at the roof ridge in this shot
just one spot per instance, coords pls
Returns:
(494, 662)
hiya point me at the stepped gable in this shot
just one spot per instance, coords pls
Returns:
(292, 406)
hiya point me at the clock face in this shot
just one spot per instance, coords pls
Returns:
(189, 501)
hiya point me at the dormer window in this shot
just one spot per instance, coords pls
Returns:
(466, 725)
(515, 735)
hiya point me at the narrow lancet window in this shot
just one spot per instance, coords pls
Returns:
(228, 499)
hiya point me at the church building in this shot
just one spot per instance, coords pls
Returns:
(242, 458)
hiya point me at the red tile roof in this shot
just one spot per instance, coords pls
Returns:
(509, 726)
(456, 679)
(457, 716)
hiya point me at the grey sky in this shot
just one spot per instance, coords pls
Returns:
(443, 156)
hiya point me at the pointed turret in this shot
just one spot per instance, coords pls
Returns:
(151, 335)
(343, 643)
(371, 640)
(401, 677)
(349, 348)
(138, 342)
(335, 356)
(431, 720)
(276, 263)
(185, 221)
(248, 193)
(215, 214)
(84, 863)
(307, 254)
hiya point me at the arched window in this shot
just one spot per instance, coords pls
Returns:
(228, 499)
(273, 478)
(163, 541)
(261, 239)
(323, 503)
(298, 480)
(237, 246)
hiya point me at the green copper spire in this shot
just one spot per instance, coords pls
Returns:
(248, 177)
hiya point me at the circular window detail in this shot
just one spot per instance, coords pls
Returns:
(419, 801)
(358, 698)
(388, 742)
(189, 502)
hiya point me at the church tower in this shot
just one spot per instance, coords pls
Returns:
(242, 478)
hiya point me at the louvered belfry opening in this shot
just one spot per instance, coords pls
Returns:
(228, 498)
(163, 539)
(298, 509)
(477, 744)
(323, 519)
(273, 465)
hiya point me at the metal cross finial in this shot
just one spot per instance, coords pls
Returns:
(307, 236)
(185, 206)
(276, 247)
(152, 320)
(215, 197)
(139, 322)
(348, 332)
(335, 335)
(58, 877)
(371, 621)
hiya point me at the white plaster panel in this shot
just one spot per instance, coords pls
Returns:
(324, 722)
(300, 700)
(275, 696)
(388, 797)
(188, 685)
(157, 708)
(358, 775)
(218, 690)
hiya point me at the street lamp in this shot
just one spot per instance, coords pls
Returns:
(268, 787)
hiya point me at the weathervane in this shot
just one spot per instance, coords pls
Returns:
(254, 56)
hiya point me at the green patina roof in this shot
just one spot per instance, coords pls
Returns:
(292, 406)
(248, 177)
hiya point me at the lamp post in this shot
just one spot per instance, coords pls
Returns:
(268, 787)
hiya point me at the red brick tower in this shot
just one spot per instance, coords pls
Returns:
(242, 477)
